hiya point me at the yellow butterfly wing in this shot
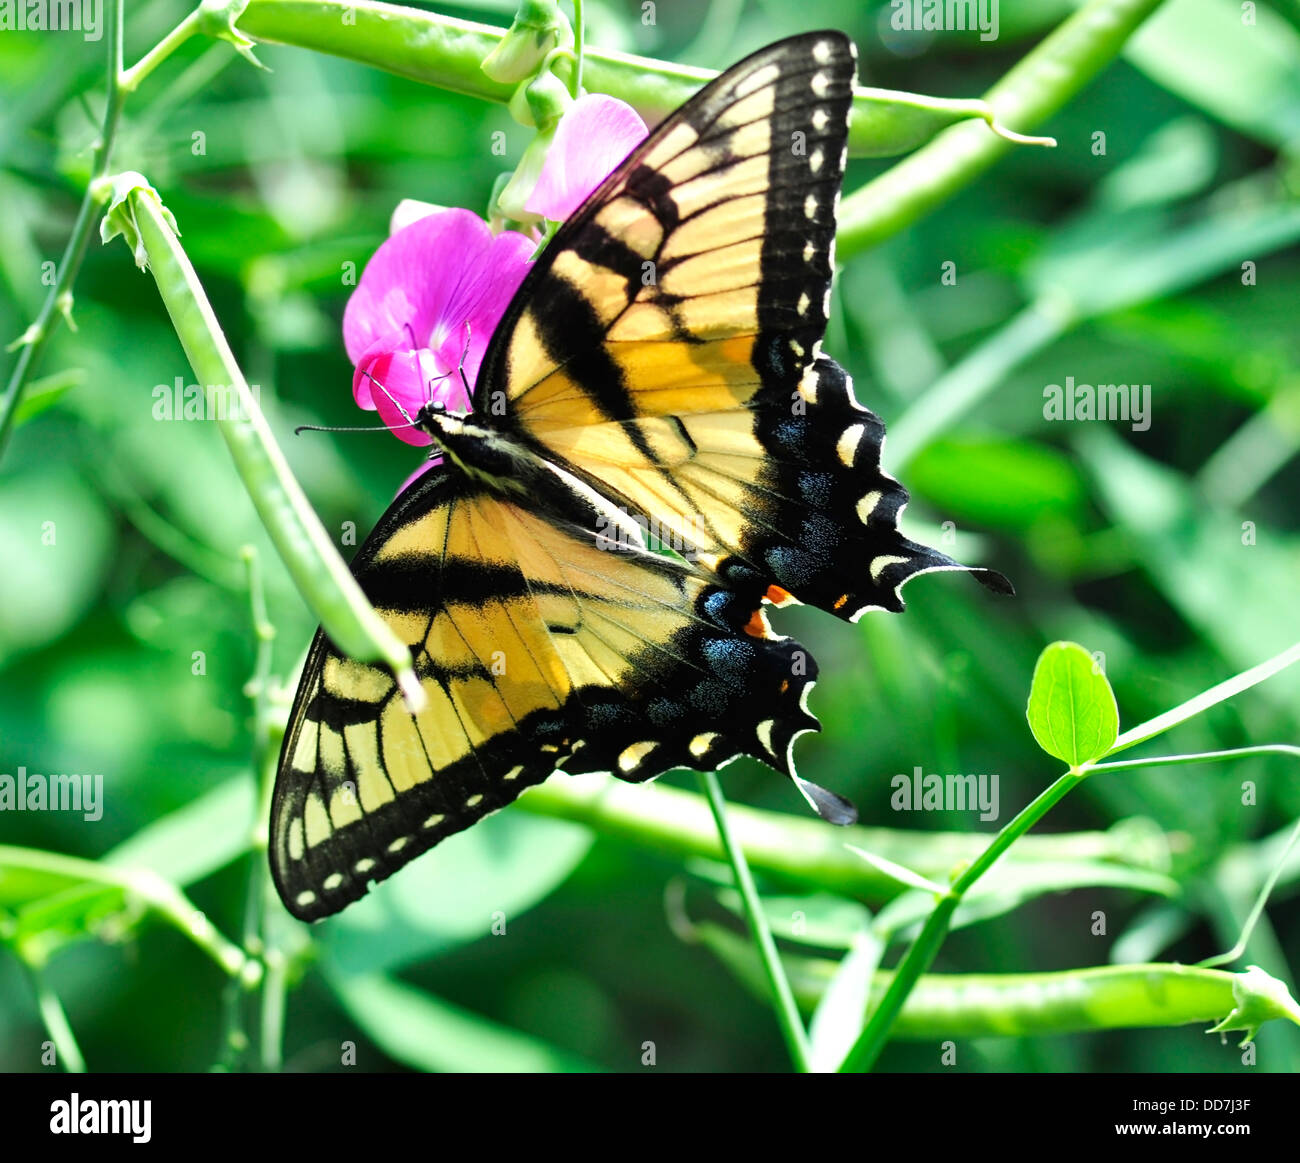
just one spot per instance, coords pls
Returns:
(666, 346)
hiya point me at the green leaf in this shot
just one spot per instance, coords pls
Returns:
(119, 213)
(46, 392)
(1246, 75)
(64, 918)
(1110, 261)
(1072, 710)
(451, 895)
(429, 1034)
(1153, 930)
(194, 841)
(1259, 997)
(838, 1018)
(999, 481)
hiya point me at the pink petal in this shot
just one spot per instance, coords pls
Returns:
(593, 137)
(477, 301)
(431, 277)
(361, 383)
(399, 386)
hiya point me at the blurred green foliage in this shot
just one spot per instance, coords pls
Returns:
(126, 642)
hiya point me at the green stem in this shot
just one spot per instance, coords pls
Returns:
(313, 562)
(263, 912)
(579, 33)
(1257, 910)
(59, 301)
(983, 1005)
(152, 889)
(446, 52)
(130, 79)
(796, 850)
(275, 990)
(1196, 757)
(923, 950)
(264, 635)
(55, 1019)
(1265, 889)
(235, 1038)
(1037, 87)
(787, 1013)
(919, 957)
(1206, 699)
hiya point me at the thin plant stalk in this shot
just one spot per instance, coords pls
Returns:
(146, 885)
(55, 1019)
(923, 950)
(1034, 89)
(313, 562)
(1257, 910)
(787, 1011)
(119, 83)
(926, 946)
(58, 303)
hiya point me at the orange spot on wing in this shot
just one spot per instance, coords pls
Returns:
(757, 626)
(777, 596)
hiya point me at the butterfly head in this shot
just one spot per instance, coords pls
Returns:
(481, 452)
(430, 408)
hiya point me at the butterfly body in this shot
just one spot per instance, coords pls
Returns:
(480, 451)
(583, 583)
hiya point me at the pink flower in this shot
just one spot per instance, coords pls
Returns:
(426, 306)
(594, 135)
(433, 293)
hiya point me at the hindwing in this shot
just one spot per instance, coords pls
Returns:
(539, 645)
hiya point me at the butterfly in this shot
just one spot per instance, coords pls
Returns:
(658, 451)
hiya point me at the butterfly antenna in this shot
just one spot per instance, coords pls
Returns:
(368, 427)
(460, 367)
(346, 428)
(396, 404)
(463, 354)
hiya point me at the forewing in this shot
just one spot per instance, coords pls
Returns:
(666, 347)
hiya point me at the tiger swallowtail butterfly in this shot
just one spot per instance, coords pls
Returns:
(546, 630)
